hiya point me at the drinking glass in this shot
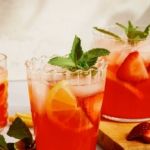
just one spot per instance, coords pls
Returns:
(65, 105)
(3, 91)
(127, 96)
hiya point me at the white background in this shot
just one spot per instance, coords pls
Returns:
(35, 27)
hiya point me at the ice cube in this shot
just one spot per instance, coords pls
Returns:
(87, 90)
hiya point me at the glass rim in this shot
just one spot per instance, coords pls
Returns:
(48, 74)
(51, 69)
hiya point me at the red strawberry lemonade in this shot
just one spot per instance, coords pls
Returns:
(66, 114)
(127, 95)
(3, 91)
(65, 104)
(127, 91)
(66, 121)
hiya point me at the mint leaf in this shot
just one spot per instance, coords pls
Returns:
(117, 37)
(76, 51)
(133, 33)
(78, 60)
(3, 144)
(147, 30)
(19, 130)
(64, 62)
(90, 57)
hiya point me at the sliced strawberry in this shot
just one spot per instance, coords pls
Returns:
(140, 132)
(146, 137)
(133, 68)
(92, 106)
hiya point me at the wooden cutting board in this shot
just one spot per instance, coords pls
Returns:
(112, 136)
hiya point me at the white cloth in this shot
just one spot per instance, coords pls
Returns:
(36, 27)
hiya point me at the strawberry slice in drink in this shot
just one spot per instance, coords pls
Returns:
(133, 68)
(92, 106)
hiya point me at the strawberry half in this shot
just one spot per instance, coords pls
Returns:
(140, 132)
(133, 68)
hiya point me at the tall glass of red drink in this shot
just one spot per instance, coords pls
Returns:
(65, 104)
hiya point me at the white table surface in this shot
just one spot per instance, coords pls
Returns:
(18, 99)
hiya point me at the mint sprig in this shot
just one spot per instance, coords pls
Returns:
(132, 32)
(89, 58)
(78, 59)
(65, 62)
(76, 51)
(20, 131)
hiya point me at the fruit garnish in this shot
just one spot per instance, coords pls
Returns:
(75, 120)
(21, 132)
(78, 59)
(132, 69)
(60, 97)
(133, 33)
(140, 132)
(92, 106)
(62, 108)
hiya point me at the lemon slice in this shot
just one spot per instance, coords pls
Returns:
(60, 98)
(62, 109)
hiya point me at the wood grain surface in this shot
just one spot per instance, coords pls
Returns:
(112, 136)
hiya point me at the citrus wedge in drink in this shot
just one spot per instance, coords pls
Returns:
(62, 108)
(60, 98)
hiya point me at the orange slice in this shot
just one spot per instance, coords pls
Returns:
(62, 109)
(60, 98)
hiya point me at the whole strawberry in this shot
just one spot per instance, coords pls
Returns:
(140, 132)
